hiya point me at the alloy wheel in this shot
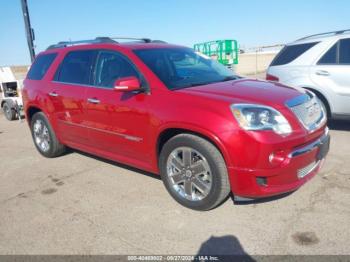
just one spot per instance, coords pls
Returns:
(189, 173)
(41, 135)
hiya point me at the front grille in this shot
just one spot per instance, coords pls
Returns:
(307, 169)
(308, 110)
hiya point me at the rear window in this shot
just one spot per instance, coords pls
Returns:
(76, 67)
(290, 53)
(40, 66)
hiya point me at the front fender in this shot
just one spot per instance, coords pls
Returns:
(199, 130)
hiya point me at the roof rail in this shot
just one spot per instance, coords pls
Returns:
(80, 42)
(339, 32)
(158, 42)
(101, 39)
(146, 40)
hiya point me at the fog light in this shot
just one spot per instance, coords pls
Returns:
(277, 157)
(262, 181)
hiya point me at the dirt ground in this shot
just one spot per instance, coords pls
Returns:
(80, 204)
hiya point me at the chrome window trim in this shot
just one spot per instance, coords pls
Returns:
(100, 87)
(82, 85)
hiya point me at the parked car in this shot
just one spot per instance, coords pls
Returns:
(165, 109)
(320, 63)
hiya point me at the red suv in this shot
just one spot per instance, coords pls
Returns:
(171, 111)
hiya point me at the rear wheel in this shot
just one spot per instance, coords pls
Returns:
(9, 112)
(44, 137)
(194, 172)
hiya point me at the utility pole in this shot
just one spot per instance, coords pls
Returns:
(29, 29)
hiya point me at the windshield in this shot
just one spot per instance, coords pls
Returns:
(182, 67)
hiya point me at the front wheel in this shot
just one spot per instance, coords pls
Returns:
(325, 108)
(194, 172)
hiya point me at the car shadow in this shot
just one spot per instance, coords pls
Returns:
(340, 125)
(224, 248)
(111, 162)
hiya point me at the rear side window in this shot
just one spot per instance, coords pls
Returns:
(338, 54)
(76, 67)
(40, 66)
(330, 57)
(290, 53)
(344, 51)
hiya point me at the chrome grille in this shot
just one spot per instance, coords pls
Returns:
(308, 110)
(307, 169)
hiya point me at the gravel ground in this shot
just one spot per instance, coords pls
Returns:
(80, 204)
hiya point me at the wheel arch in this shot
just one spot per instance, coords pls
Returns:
(31, 110)
(170, 131)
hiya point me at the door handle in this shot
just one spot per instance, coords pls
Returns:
(93, 101)
(322, 73)
(53, 94)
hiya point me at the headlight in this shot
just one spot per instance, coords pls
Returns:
(259, 117)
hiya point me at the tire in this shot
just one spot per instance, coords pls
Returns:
(9, 112)
(213, 186)
(325, 107)
(44, 137)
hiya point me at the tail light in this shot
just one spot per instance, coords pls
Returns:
(271, 78)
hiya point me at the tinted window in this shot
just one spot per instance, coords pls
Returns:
(110, 67)
(330, 57)
(40, 66)
(181, 67)
(290, 53)
(344, 51)
(76, 67)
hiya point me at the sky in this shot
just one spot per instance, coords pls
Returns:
(186, 22)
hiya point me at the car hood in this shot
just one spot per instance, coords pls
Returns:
(247, 91)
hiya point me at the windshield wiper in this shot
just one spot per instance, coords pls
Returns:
(229, 78)
(200, 84)
(192, 85)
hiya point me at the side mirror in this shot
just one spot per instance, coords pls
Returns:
(126, 84)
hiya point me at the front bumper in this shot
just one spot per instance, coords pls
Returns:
(301, 164)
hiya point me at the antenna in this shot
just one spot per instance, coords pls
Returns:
(29, 30)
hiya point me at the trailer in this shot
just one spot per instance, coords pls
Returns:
(10, 94)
